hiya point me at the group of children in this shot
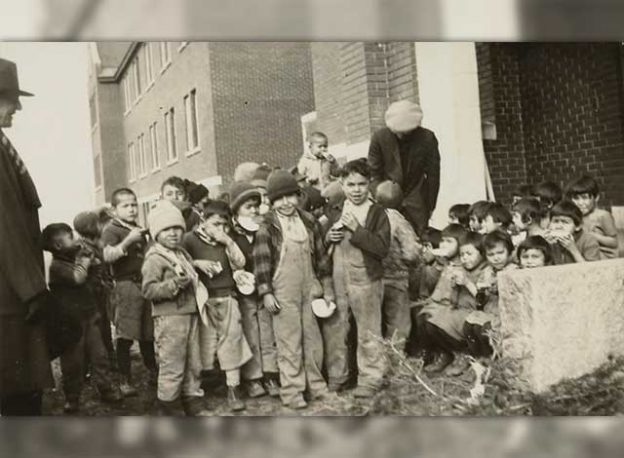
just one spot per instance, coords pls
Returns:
(289, 282)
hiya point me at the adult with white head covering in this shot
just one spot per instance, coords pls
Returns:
(407, 153)
(24, 355)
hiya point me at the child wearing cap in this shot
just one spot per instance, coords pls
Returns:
(125, 244)
(360, 235)
(404, 251)
(260, 373)
(292, 269)
(223, 335)
(171, 283)
(316, 165)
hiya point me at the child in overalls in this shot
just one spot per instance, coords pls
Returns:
(289, 260)
(360, 232)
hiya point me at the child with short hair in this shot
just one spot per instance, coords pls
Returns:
(292, 269)
(585, 194)
(360, 233)
(175, 190)
(125, 244)
(458, 214)
(260, 373)
(442, 320)
(404, 251)
(527, 216)
(565, 233)
(548, 193)
(477, 213)
(534, 251)
(68, 280)
(497, 217)
(522, 192)
(211, 242)
(316, 165)
(171, 283)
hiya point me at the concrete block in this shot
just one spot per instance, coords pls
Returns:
(562, 322)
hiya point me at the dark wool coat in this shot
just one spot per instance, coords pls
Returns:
(420, 181)
(24, 362)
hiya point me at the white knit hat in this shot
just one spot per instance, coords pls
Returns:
(163, 216)
(403, 116)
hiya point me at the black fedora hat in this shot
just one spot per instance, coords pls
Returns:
(9, 83)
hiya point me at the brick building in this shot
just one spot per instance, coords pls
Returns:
(195, 110)
(505, 114)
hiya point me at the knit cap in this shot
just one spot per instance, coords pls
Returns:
(163, 216)
(260, 176)
(87, 224)
(240, 192)
(281, 183)
(403, 116)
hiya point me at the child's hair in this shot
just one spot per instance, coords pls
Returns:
(567, 208)
(460, 211)
(217, 207)
(51, 231)
(120, 192)
(499, 214)
(524, 190)
(548, 193)
(176, 182)
(456, 231)
(536, 242)
(582, 185)
(475, 239)
(317, 134)
(479, 209)
(497, 237)
(433, 236)
(529, 209)
(359, 166)
(389, 194)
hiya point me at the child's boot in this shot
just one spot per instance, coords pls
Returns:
(126, 389)
(443, 361)
(235, 402)
(111, 394)
(171, 408)
(271, 385)
(298, 403)
(194, 406)
(255, 389)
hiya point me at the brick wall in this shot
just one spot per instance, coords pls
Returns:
(572, 107)
(261, 90)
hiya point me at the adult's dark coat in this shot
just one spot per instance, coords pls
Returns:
(24, 358)
(419, 181)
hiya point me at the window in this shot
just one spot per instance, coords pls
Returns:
(154, 146)
(172, 153)
(190, 110)
(165, 53)
(136, 77)
(97, 165)
(142, 156)
(126, 93)
(131, 164)
(149, 62)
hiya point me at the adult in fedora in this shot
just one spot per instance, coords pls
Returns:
(24, 356)
(407, 153)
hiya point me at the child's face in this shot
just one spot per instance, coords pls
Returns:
(470, 257)
(202, 203)
(249, 209)
(449, 246)
(355, 187)
(318, 146)
(562, 224)
(171, 237)
(452, 219)
(475, 224)
(498, 256)
(532, 257)
(170, 192)
(489, 225)
(127, 208)
(518, 223)
(585, 202)
(287, 205)
(216, 223)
